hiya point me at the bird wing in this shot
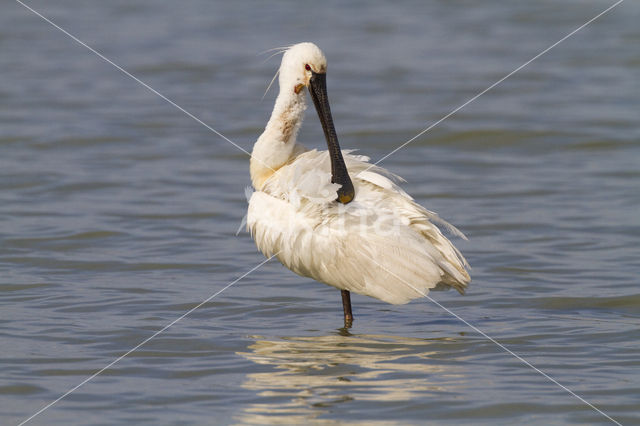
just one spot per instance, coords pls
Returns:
(314, 243)
(382, 244)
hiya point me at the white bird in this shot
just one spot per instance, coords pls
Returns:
(373, 238)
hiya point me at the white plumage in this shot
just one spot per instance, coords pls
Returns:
(373, 245)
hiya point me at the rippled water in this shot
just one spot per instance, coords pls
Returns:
(118, 214)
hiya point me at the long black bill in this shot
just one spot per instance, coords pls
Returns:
(339, 173)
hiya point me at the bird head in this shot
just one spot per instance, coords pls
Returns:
(299, 65)
(304, 65)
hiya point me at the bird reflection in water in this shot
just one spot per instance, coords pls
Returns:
(310, 375)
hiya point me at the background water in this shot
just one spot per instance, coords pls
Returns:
(118, 214)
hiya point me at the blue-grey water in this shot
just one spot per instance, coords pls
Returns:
(118, 214)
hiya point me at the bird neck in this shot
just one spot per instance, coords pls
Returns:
(275, 146)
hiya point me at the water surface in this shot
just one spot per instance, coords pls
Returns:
(118, 213)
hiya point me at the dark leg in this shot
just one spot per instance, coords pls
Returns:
(346, 306)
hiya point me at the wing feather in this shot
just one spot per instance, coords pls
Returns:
(382, 244)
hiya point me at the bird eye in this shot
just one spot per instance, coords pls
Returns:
(307, 67)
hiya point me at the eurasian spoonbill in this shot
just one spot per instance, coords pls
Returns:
(372, 238)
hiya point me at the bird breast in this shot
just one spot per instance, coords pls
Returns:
(375, 245)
